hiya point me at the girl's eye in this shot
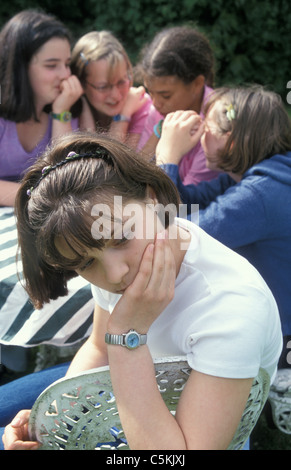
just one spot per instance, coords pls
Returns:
(121, 241)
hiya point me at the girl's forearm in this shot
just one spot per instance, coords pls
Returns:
(146, 420)
(8, 192)
(88, 357)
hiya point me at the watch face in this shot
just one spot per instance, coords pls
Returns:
(132, 340)
(66, 116)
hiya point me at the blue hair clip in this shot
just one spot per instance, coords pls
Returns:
(84, 59)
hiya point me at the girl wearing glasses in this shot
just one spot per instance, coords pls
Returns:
(105, 71)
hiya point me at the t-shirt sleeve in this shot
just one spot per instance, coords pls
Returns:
(232, 344)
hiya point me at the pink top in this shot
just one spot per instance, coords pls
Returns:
(138, 119)
(192, 167)
(14, 160)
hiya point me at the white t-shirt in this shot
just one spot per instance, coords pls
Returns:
(223, 316)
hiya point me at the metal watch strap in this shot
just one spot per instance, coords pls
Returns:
(125, 339)
(114, 339)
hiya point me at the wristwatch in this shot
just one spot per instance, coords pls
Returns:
(130, 340)
(65, 116)
(120, 117)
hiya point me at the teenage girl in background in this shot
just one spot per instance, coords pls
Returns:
(37, 92)
(246, 135)
(103, 67)
(177, 69)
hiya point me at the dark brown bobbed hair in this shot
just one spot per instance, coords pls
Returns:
(260, 130)
(60, 205)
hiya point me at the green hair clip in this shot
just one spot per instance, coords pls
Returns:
(230, 112)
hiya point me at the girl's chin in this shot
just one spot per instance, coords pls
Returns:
(112, 110)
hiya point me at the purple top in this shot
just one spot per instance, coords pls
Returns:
(14, 160)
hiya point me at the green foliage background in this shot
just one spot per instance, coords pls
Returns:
(251, 39)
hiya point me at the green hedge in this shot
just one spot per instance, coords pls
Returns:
(251, 38)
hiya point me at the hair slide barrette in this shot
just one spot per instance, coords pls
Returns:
(230, 112)
(100, 153)
(71, 156)
(84, 59)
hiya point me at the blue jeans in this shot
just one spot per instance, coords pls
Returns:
(21, 394)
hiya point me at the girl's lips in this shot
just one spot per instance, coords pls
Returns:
(113, 104)
(120, 292)
(113, 108)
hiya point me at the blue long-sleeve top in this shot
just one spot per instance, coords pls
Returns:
(253, 217)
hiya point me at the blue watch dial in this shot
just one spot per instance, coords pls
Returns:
(132, 340)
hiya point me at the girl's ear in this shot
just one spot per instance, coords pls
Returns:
(151, 194)
(198, 83)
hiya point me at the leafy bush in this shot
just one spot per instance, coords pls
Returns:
(251, 39)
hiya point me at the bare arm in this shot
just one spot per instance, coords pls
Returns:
(86, 119)
(182, 130)
(119, 129)
(207, 416)
(209, 409)
(93, 353)
(71, 91)
(8, 192)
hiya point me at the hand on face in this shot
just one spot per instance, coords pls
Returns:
(181, 131)
(150, 292)
(135, 100)
(71, 91)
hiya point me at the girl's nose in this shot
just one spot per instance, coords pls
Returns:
(115, 267)
(115, 93)
(156, 102)
(65, 72)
